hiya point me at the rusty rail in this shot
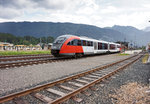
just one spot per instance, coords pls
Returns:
(31, 62)
(24, 58)
(22, 55)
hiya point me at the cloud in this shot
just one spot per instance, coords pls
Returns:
(15, 4)
(94, 12)
(47, 4)
(9, 13)
(51, 4)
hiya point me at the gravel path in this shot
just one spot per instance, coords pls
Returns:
(24, 77)
(137, 72)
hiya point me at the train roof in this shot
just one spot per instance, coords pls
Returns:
(86, 38)
(114, 43)
(66, 35)
(90, 39)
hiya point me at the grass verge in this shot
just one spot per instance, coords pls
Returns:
(145, 58)
(123, 54)
(7, 53)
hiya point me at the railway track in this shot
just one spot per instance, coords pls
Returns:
(67, 88)
(18, 58)
(9, 56)
(24, 60)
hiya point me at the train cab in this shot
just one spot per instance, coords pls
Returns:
(57, 44)
(66, 45)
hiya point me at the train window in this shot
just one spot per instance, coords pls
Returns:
(118, 46)
(79, 43)
(59, 40)
(105, 46)
(72, 42)
(112, 46)
(99, 46)
(88, 43)
(84, 42)
(91, 43)
(69, 43)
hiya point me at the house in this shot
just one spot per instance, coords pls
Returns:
(6, 46)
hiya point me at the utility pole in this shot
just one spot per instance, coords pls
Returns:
(40, 41)
(124, 44)
(46, 39)
(135, 42)
(131, 45)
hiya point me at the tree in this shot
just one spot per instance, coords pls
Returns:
(26, 40)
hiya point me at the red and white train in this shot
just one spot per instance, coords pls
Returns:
(70, 45)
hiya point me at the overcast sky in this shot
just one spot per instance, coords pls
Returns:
(101, 13)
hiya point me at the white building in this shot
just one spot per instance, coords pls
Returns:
(6, 46)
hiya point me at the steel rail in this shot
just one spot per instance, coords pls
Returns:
(24, 58)
(30, 62)
(41, 87)
(23, 55)
(17, 64)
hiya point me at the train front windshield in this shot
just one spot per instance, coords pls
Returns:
(58, 42)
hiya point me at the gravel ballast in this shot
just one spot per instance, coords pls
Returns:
(16, 79)
(137, 73)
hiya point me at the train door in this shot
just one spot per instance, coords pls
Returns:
(95, 47)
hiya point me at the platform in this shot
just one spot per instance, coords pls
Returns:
(132, 51)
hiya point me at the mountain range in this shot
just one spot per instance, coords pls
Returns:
(134, 35)
(39, 29)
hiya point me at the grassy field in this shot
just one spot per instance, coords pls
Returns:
(145, 58)
(6, 53)
(123, 54)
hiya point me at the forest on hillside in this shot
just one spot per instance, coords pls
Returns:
(25, 40)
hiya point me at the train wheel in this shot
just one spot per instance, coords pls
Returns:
(78, 55)
(108, 52)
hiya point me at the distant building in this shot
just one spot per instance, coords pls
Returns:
(20, 47)
(6, 46)
(29, 48)
(125, 44)
(45, 46)
(50, 45)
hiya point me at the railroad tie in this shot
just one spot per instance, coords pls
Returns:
(90, 79)
(96, 74)
(82, 81)
(43, 98)
(77, 99)
(66, 88)
(92, 76)
(100, 73)
(76, 84)
(56, 92)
